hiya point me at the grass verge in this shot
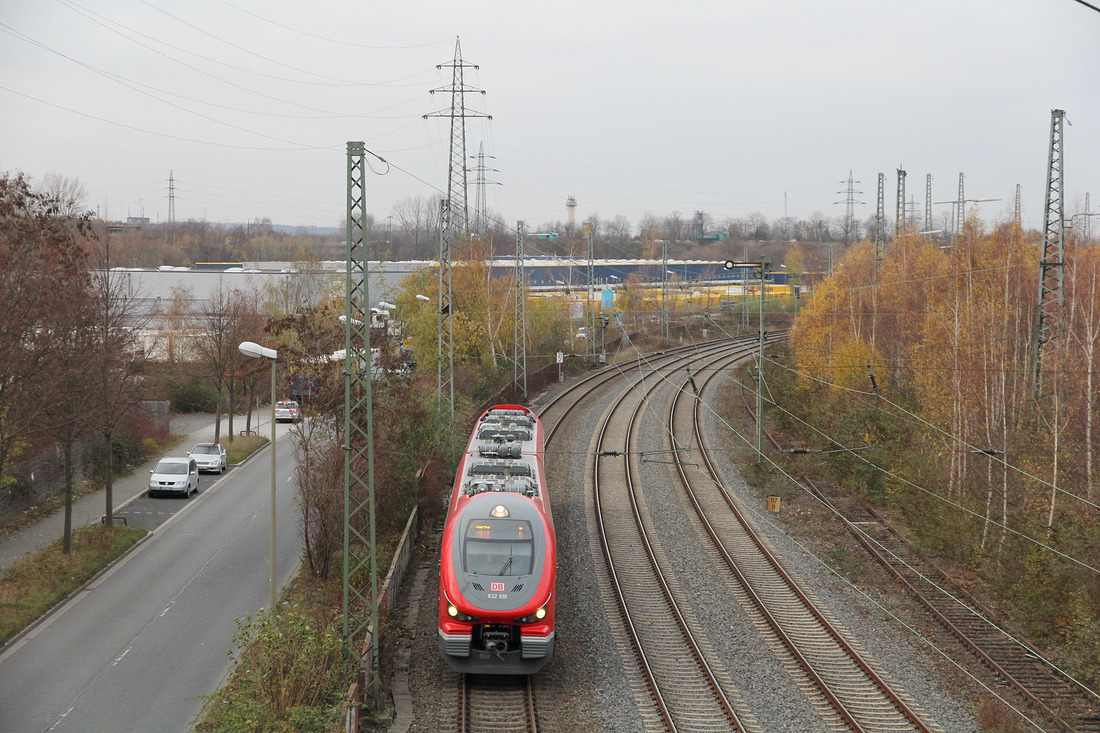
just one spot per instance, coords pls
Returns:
(243, 446)
(38, 582)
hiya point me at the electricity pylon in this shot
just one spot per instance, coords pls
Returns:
(899, 221)
(360, 604)
(454, 221)
(1052, 262)
(519, 328)
(880, 217)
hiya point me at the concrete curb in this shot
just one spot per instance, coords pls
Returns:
(13, 643)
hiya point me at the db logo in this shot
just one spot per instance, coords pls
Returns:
(496, 587)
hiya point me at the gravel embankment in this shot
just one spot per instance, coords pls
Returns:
(587, 687)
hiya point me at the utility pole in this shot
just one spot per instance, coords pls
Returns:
(171, 208)
(880, 218)
(928, 203)
(899, 220)
(454, 223)
(760, 369)
(849, 202)
(664, 290)
(1088, 219)
(589, 305)
(761, 267)
(960, 211)
(1017, 210)
(519, 329)
(360, 604)
(1052, 260)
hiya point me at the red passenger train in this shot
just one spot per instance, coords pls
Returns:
(498, 564)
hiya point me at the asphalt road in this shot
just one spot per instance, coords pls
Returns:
(139, 648)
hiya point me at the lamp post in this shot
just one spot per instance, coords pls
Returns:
(254, 350)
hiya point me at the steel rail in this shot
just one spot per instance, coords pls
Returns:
(773, 562)
(967, 639)
(712, 681)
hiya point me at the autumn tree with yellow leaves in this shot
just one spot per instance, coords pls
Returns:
(482, 318)
(931, 346)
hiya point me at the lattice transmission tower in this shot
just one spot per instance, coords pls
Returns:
(849, 202)
(928, 204)
(171, 208)
(960, 210)
(880, 217)
(481, 181)
(454, 220)
(1052, 262)
(899, 209)
(360, 604)
(1088, 219)
(519, 328)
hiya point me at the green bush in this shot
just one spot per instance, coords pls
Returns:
(289, 676)
(192, 395)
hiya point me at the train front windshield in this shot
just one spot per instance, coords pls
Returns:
(498, 547)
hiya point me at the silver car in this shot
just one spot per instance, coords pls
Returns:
(210, 457)
(287, 410)
(174, 476)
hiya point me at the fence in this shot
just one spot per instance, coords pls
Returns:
(40, 478)
(390, 586)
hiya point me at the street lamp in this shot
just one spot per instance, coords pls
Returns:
(254, 350)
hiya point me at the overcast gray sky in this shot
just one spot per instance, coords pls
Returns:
(725, 106)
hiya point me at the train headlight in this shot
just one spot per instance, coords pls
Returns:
(451, 610)
(499, 511)
(538, 615)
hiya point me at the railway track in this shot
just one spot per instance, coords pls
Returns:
(507, 704)
(1023, 668)
(853, 690)
(497, 704)
(689, 693)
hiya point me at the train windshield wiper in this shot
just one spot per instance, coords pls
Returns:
(507, 564)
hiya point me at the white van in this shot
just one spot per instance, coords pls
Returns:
(174, 476)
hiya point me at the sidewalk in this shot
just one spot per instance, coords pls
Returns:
(91, 508)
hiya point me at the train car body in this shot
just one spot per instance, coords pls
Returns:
(498, 561)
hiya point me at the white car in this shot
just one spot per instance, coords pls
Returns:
(174, 476)
(210, 457)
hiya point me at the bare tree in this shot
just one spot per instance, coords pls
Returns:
(757, 226)
(674, 227)
(216, 345)
(819, 226)
(649, 232)
(849, 228)
(71, 407)
(115, 360)
(42, 268)
(619, 229)
(69, 194)
(418, 219)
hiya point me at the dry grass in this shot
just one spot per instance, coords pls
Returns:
(38, 582)
(243, 446)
